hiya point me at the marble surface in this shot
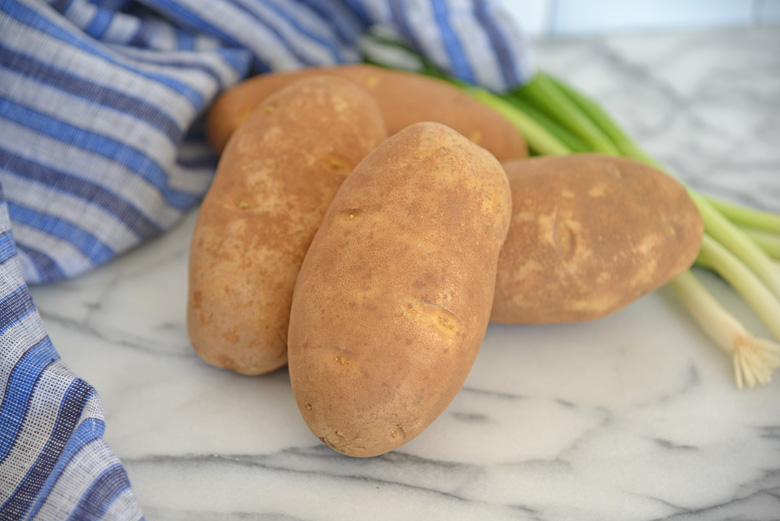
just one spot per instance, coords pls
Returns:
(634, 417)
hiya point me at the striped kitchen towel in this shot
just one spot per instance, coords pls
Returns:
(102, 147)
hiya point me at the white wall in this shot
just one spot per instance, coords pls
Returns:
(580, 17)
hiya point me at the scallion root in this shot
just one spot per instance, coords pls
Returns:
(754, 358)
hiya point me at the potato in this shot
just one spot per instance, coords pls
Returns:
(394, 295)
(589, 235)
(403, 97)
(273, 186)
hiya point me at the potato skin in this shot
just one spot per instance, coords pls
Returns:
(394, 295)
(404, 98)
(589, 235)
(273, 185)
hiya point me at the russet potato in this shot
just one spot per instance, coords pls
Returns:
(394, 296)
(274, 183)
(404, 98)
(589, 235)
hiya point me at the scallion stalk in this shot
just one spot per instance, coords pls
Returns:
(728, 266)
(536, 135)
(626, 145)
(767, 241)
(541, 92)
(572, 141)
(737, 242)
(760, 219)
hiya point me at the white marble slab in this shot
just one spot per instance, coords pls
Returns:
(634, 417)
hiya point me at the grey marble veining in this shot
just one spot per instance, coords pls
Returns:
(633, 417)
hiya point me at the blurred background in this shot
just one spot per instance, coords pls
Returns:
(560, 18)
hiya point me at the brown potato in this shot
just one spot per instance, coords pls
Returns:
(589, 235)
(404, 98)
(273, 186)
(394, 295)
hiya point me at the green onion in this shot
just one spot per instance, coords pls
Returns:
(541, 92)
(536, 135)
(728, 266)
(730, 236)
(767, 241)
(572, 141)
(626, 145)
(747, 216)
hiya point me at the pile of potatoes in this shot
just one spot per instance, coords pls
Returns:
(365, 225)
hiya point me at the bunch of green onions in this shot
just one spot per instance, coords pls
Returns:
(739, 243)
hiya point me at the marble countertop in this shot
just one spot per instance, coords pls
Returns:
(633, 417)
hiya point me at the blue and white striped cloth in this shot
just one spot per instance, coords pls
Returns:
(102, 147)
